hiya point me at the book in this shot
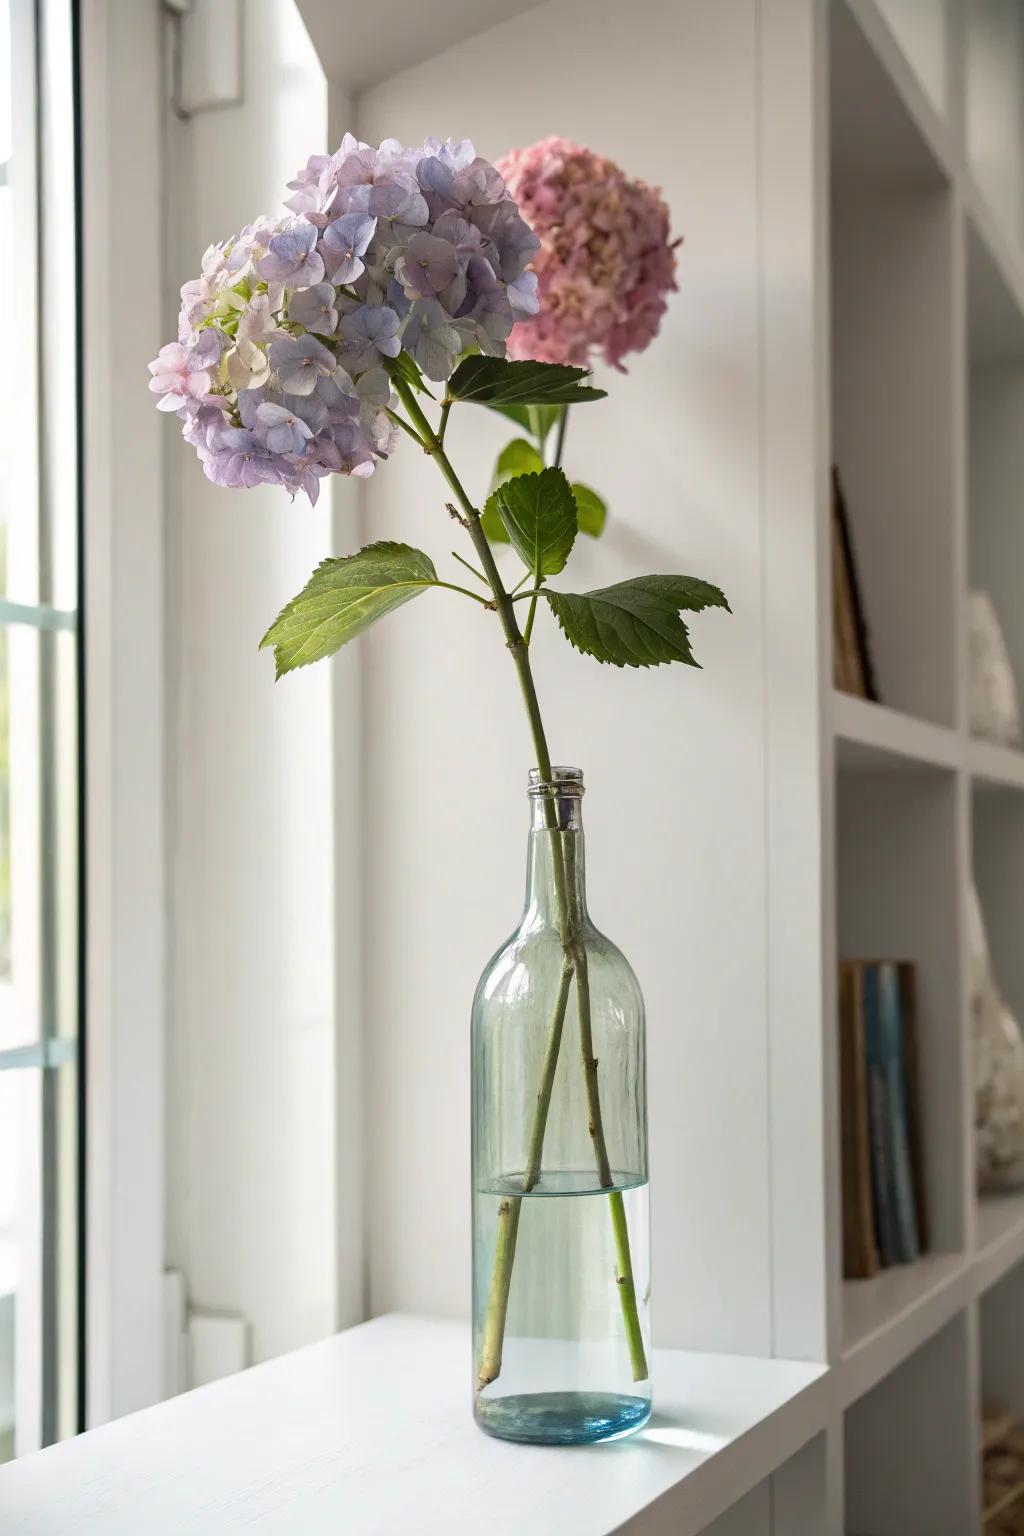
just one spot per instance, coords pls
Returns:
(898, 1141)
(915, 1133)
(853, 670)
(860, 1248)
(846, 673)
(879, 1124)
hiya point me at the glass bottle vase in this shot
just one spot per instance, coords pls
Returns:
(561, 1251)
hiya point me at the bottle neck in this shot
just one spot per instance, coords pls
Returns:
(555, 870)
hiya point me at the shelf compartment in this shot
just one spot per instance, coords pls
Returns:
(995, 297)
(999, 1237)
(910, 1445)
(996, 448)
(893, 384)
(998, 836)
(886, 1319)
(921, 33)
(994, 767)
(872, 738)
(898, 884)
(1002, 1362)
(995, 107)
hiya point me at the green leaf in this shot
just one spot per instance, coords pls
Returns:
(590, 509)
(535, 419)
(406, 368)
(344, 597)
(491, 523)
(634, 623)
(686, 592)
(495, 381)
(540, 517)
(520, 414)
(517, 458)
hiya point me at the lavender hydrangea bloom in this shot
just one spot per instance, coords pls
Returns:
(432, 339)
(238, 460)
(281, 429)
(368, 334)
(314, 309)
(292, 257)
(299, 362)
(174, 379)
(344, 243)
(426, 266)
(280, 371)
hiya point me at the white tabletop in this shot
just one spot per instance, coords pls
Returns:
(370, 1433)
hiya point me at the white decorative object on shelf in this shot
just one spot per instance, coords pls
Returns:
(995, 711)
(998, 1068)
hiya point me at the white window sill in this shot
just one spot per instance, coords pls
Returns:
(369, 1433)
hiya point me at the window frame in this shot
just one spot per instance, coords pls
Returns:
(49, 1336)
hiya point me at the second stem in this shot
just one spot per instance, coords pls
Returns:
(570, 930)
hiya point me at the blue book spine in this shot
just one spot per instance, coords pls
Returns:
(878, 1123)
(894, 1067)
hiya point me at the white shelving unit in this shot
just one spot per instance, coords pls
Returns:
(927, 371)
(889, 180)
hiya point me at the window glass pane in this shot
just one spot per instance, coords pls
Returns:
(6, 390)
(19, 477)
(21, 1249)
(39, 720)
(21, 957)
(59, 573)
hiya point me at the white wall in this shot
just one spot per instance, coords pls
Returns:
(124, 687)
(256, 1200)
(675, 759)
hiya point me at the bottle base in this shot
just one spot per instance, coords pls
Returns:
(562, 1418)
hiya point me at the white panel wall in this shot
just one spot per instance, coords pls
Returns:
(125, 778)
(252, 1175)
(674, 759)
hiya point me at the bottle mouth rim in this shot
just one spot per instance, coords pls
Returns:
(563, 781)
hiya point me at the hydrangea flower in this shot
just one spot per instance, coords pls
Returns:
(279, 373)
(606, 263)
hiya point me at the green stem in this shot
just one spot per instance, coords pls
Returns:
(620, 1231)
(572, 944)
(451, 587)
(563, 427)
(489, 1365)
(531, 615)
(627, 1287)
(400, 421)
(472, 568)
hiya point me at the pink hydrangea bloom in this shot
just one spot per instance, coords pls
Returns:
(606, 262)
